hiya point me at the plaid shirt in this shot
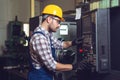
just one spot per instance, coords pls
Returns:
(40, 49)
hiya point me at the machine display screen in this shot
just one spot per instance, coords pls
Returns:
(64, 29)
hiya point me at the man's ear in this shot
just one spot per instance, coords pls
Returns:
(49, 19)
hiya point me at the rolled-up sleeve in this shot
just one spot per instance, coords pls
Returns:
(57, 43)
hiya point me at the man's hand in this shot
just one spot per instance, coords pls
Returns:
(83, 65)
(77, 41)
(75, 66)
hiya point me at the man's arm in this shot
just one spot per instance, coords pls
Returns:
(63, 67)
(74, 42)
(67, 44)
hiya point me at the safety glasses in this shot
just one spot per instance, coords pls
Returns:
(58, 21)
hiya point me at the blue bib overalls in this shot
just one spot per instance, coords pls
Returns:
(43, 73)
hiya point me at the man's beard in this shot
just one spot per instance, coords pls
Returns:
(51, 30)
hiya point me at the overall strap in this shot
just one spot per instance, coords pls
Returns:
(53, 49)
(40, 32)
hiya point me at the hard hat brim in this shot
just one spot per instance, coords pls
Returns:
(62, 19)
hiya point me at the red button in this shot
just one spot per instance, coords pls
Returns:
(80, 50)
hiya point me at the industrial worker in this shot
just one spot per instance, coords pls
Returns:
(43, 44)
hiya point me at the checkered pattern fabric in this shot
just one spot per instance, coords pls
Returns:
(40, 49)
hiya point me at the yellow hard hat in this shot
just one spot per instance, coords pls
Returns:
(53, 10)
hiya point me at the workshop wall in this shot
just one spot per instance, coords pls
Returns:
(64, 4)
(8, 10)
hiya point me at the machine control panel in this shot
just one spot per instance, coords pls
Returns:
(96, 45)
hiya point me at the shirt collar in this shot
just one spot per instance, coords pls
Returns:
(39, 28)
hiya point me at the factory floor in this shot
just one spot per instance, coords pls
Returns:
(17, 74)
(13, 74)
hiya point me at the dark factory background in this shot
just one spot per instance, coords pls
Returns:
(97, 21)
